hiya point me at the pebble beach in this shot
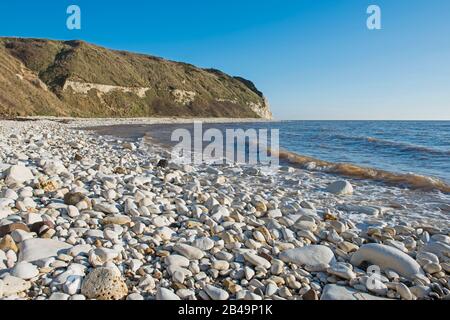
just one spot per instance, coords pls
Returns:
(91, 216)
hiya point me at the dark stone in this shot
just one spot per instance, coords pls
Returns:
(163, 163)
(78, 157)
(266, 256)
(120, 170)
(36, 227)
(7, 229)
(73, 198)
(310, 295)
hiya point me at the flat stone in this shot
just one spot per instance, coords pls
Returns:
(166, 294)
(190, 252)
(341, 270)
(387, 257)
(256, 260)
(18, 174)
(24, 270)
(203, 243)
(106, 208)
(73, 284)
(99, 256)
(216, 293)
(13, 285)
(8, 228)
(220, 265)
(5, 212)
(336, 292)
(135, 296)
(160, 221)
(440, 249)
(117, 219)
(38, 249)
(20, 235)
(54, 167)
(177, 260)
(315, 256)
(59, 296)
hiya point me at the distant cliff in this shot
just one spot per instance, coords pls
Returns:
(74, 78)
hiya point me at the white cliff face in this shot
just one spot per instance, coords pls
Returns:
(183, 97)
(261, 109)
(85, 87)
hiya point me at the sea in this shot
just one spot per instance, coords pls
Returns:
(406, 153)
(406, 162)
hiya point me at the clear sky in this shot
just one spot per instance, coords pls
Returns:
(313, 59)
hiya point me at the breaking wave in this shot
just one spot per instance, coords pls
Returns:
(410, 180)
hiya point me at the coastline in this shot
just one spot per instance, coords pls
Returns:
(182, 232)
(411, 180)
(152, 120)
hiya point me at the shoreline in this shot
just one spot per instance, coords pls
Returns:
(163, 231)
(411, 180)
(150, 120)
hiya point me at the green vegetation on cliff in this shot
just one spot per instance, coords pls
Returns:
(74, 78)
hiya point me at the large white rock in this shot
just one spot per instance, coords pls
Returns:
(13, 285)
(440, 249)
(387, 257)
(18, 174)
(216, 293)
(53, 168)
(204, 243)
(4, 212)
(177, 260)
(188, 251)
(24, 270)
(105, 207)
(256, 260)
(73, 284)
(335, 292)
(166, 294)
(315, 256)
(342, 187)
(38, 249)
(100, 256)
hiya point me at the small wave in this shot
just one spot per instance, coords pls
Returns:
(408, 146)
(398, 144)
(411, 180)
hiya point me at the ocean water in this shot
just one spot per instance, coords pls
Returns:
(404, 153)
(403, 167)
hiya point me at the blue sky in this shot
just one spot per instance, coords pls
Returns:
(313, 59)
